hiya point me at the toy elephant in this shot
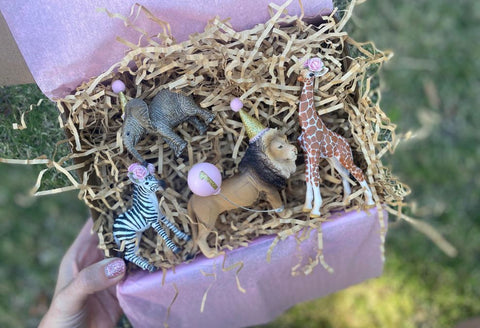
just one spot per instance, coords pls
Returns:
(167, 110)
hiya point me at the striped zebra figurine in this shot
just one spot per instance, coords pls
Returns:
(144, 213)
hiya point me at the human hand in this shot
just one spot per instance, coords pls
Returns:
(85, 291)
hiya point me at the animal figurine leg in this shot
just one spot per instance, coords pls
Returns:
(173, 140)
(317, 201)
(273, 197)
(368, 192)
(357, 173)
(195, 111)
(131, 256)
(132, 242)
(313, 187)
(206, 116)
(174, 229)
(201, 212)
(317, 196)
(335, 163)
(203, 232)
(307, 207)
(170, 244)
(198, 124)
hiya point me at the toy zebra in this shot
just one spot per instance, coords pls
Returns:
(144, 213)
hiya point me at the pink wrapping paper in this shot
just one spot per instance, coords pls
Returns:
(351, 247)
(65, 43)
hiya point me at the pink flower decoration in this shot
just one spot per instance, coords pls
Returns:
(314, 64)
(138, 172)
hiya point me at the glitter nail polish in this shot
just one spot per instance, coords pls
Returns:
(114, 268)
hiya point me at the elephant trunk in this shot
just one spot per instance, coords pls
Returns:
(136, 122)
(130, 140)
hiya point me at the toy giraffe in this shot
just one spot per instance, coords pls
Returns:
(318, 142)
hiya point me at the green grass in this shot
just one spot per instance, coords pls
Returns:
(430, 87)
(42, 136)
(34, 232)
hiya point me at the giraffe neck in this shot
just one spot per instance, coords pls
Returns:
(307, 110)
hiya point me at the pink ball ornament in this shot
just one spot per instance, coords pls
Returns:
(118, 86)
(204, 179)
(236, 104)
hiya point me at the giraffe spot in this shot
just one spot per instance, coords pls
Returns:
(310, 131)
(329, 150)
(327, 139)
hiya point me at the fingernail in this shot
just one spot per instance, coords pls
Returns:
(115, 268)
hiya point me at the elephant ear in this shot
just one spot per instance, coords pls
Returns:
(139, 111)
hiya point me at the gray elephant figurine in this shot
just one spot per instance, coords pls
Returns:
(167, 110)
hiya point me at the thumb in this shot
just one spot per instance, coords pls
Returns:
(94, 278)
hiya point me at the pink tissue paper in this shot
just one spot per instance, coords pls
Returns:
(352, 246)
(65, 43)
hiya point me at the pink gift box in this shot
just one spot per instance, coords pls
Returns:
(65, 43)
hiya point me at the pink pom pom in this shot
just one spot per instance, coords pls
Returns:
(236, 104)
(118, 86)
(151, 168)
(204, 179)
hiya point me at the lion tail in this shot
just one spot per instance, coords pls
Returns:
(194, 221)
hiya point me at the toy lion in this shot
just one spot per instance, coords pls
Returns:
(267, 164)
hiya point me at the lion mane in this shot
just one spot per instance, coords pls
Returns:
(267, 164)
(262, 163)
